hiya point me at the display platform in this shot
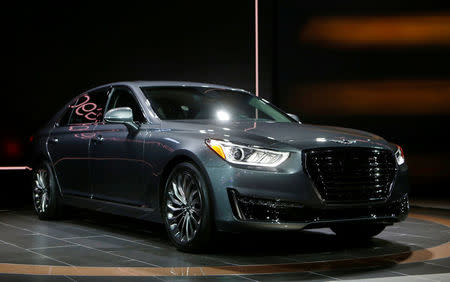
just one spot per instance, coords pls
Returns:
(90, 246)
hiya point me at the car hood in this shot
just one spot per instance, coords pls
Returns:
(278, 134)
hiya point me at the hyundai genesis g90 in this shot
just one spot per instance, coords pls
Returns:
(202, 158)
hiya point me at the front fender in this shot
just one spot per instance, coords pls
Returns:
(164, 152)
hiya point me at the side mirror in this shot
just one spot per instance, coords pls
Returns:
(122, 115)
(294, 117)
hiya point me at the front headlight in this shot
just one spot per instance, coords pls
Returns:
(246, 155)
(399, 156)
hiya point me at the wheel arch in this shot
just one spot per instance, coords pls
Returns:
(40, 157)
(177, 158)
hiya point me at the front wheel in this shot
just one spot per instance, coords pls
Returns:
(357, 231)
(186, 209)
(46, 198)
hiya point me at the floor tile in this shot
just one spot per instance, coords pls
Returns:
(33, 278)
(94, 239)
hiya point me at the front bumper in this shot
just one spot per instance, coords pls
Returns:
(286, 199)
(270, 214)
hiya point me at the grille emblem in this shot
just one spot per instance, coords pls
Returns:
(342, 140)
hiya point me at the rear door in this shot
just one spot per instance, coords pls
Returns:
(117, 154)
(69, 142)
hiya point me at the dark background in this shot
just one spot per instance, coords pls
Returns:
(402, 88)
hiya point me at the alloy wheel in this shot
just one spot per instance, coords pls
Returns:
(41, 195)
(184, 206)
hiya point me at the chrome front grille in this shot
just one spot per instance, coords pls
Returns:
(343, 175)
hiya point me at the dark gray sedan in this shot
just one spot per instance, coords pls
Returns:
(202, 158)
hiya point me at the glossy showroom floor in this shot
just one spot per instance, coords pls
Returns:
(95, 247)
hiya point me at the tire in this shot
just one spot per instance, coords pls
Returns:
(358, 232)
(186, 209)
(47, 200)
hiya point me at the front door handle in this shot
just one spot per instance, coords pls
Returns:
(98, 139)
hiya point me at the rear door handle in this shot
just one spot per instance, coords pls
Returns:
(53, 140)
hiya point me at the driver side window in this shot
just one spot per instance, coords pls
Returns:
(123, 97)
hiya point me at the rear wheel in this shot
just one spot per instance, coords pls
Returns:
(186, 208)
(357, 231)
(46, 198)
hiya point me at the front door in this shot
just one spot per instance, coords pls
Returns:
(117, 155)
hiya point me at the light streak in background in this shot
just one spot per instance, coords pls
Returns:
(15, 168)
(394, 97)
(256, 51)
(377, 31)
(256, 56)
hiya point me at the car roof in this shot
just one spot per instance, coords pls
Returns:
(144, 83)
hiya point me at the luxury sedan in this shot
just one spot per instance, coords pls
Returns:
(202, 158)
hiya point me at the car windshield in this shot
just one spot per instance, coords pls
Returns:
(185, 103)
